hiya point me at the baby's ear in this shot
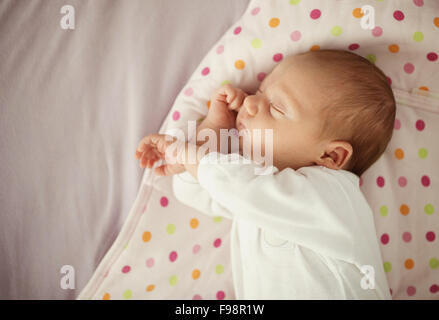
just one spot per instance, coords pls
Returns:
(337, 154)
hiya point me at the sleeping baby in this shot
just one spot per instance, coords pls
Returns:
(304, 230)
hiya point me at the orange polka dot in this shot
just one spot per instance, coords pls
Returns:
(357, 13)
(404, 209)
(424, 88)
(409, 264)
(239, 64)
(146, 236)
(394, 48)
(436, 22)
(274, 22)
(194, 223)
(208, 104)
(314, 48)
(196, 274)
(106, 296)
(399, 154)
(150, 287)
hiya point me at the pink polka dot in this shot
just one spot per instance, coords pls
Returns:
(418, 3)
(295, 35)
(126, 269)
(397, 125)
(425, 180)
(411, 291)
(220, 49)
(434, 288)
(430, 236)
(197, 297)
(353, 46)
(391, 291)
(173, 256)
(220, 295)
(385, 238)
(277, 57)
(188, 92)
(361, 181)
(196, 248)
(409, 68)
(420, 125)
(150, 262)
(164, 201)
(176, 115)
(205, 71)
(432, 56)
(261, 76)
(315, 14)
(377, 31)
(407, 236)
(255, 11)
(380, 181)
(398, 15)
(402, 181)
(237, 30)
(389, 81)
(217, 243)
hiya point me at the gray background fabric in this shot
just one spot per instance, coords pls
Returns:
(73, 106)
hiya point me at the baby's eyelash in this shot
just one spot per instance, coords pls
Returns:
(271, 105)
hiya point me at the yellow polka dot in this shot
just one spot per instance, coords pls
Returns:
(106, 296)
(394, 48)
(424, 88)
(196, 274)
(239, 64)
(274, 22)
(194, 223)
(146, 236)
(315, 48)
(404, 209)
(357, 13)
(436, 21)
(150, 287)
(399, 154)
(409, 264)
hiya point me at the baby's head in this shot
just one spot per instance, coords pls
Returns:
(330, 108)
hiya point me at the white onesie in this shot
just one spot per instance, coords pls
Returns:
(296, 234)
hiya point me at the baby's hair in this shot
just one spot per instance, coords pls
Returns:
(362, 109)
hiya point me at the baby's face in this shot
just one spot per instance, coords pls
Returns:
(288, 101)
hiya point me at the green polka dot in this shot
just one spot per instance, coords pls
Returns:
(217, 219)
(371, 57)
(422, 153)
(387, 266)
(170, 229)
(225, 82)
(127, 294)
(125, 246)
(173, 280)
(429, 209)
(336, 31)
(294, 2)
(384, 211)
(418, 36)
(219, 269)
(256, 43)
(434, 263)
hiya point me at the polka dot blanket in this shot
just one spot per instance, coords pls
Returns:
(167, 250)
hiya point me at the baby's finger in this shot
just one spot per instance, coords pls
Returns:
(230, 91)
(238, 101)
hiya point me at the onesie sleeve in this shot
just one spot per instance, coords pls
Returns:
(308, 207)
(189, 192)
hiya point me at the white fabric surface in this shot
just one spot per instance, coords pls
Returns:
(296, 234)
(73, 106)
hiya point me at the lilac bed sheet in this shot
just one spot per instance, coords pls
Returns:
(73, 106)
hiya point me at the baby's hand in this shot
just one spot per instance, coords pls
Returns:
(156, 147)
(224, 106)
